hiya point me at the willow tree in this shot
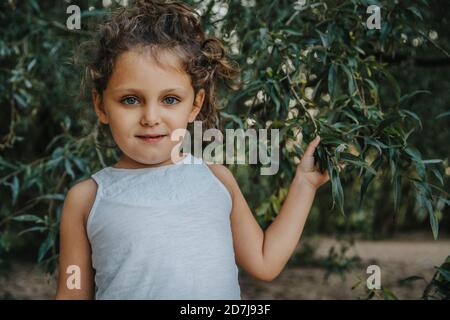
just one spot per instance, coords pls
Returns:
(308, 68)
(321, 68)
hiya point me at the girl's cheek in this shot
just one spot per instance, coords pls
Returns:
(124, 115)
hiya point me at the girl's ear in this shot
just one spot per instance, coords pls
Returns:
(99, 110)
(198, 103)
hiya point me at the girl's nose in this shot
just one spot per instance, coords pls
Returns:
(151, 115)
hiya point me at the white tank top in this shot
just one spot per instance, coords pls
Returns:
(162, 233)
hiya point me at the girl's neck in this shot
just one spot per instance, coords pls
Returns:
(127, 163)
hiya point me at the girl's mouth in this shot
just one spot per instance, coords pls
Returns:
(152, 137)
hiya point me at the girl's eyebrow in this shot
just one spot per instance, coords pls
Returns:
(138, 90)
(173, 89)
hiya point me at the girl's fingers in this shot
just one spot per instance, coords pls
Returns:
(311, 147)
(307, 164)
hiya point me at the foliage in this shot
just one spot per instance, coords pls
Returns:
(307, 69)
(338, 261)
(438, 288)
(316, 73)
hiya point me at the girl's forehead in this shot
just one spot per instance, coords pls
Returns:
(157, 57)
(143, 66)
(161, 59)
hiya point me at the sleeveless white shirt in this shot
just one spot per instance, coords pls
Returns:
(162, 233)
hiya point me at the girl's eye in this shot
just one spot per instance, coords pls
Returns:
(130, 100)
(171, 100)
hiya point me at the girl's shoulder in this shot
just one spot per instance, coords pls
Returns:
(80, 199)
(225, 176)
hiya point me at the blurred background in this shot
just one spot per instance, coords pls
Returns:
(378, 97)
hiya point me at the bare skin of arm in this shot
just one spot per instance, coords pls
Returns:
(75, 249)
(264, 254)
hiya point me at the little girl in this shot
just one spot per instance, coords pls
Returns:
(154, 226)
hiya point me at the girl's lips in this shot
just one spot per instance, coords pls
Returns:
(151, 138)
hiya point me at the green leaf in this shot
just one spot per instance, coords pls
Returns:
(92, 13)
(351, 115)
(412, 115)
(35, 5)
(80, 163)
(432, 161)
(414, 153)
(356, 161)
(292, 32)
(388, 122)
(420, 169)
(444, 273)
(331, 140)
(395, 177)
(376, 143)
(336, 188)
(56, 196)
(233, 117)
(412, 94)
(422, 188)
(444, 114)
(433, 222)
(397, 190)
(373, 90)
(424, 197)
(20, 100)
(323, 38)
(332, 74)
(15, 187)
(45, 246)
(31, 64)
(68, 168)
(369, 176)
(411, 279)
(274, 98)
(286, 129)
(394, 84)
(350, 80)
(28, 217)
(36, 228)
(438, 175)
(7, 164)
(416, 12)
(321, 158)
(388, 294)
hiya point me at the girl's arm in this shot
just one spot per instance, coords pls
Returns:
(264, 254)
(75, 250)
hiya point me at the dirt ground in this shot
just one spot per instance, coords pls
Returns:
(397, 258)
(413, 255)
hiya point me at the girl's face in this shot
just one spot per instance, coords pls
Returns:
(143, 97)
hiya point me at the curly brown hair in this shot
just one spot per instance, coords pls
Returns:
(169, 25)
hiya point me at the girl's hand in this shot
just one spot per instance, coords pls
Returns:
(307, 172)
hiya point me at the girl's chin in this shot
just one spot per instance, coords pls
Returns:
(156, 160)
